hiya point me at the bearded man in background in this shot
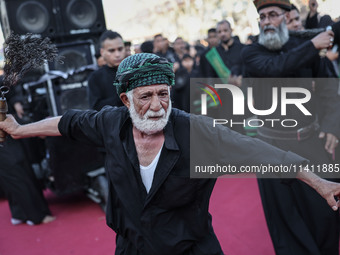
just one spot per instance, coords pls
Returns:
(311, 229)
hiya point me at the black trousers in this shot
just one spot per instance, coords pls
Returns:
(299, 220)
(22, 189)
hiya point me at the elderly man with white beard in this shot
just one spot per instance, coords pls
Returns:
(311, 229)
(154, 206)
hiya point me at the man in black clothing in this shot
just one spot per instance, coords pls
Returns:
(154, 206)
(213, 41)
(313, 228)
(294, 22)
(127, 45)
(17, 179)
(162, 49)
(336, 30)
(179, 49)
(100, 82)
(181, 90)
(212, 38)
(314, 19)
(228, 49)
(158, 44)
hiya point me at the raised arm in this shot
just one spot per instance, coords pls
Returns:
(280, 65)
(46, 127)
(212, 146)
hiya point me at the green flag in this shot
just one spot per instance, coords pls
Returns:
(217, 63)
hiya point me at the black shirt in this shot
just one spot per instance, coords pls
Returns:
(173, 217)
(336, 30)
(231, 58)
(297, 59)
(101, 89)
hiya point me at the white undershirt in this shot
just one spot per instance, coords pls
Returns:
(147, 172)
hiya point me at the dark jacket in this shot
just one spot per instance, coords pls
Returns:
(101, 89)
(231, 58)
(180, 93)
(297, 59)
(233, 61)
(173, 217)
(336, 30)
(318, 21)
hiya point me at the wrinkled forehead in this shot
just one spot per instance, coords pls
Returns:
(151, 88)
(271, 9)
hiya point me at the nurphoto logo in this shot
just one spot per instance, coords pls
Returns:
(281, 98)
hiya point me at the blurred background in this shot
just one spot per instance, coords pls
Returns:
(138, 21)
(75, 27)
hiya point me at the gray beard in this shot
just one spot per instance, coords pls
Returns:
(275, 40)
(144, 124)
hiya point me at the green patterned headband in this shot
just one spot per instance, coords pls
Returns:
(142, 70)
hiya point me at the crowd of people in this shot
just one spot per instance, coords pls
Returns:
(153, 205)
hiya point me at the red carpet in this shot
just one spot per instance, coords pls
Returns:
(80, 227)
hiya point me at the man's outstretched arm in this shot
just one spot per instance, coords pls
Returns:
(328, 190)
(46, 127)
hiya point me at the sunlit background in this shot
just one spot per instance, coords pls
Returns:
(140, 20)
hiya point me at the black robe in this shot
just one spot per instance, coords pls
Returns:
(173, 217)
(231, 58)
(233, 61)
(336, 30)
(299, 221)
(101, 89)
(17, 179)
